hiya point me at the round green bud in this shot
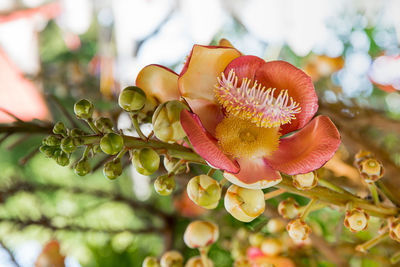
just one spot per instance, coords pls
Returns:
(83, 109)
(59, 128)
(62, 158)
(105, 125)
(52, 140)
(68, 144)
(204, 191)
(150, 262)
(82, 167)
(77, 132)
(47, 150)
(146, 161)
(111, 143)
(169, 164)
(112, 169)
(166, 121)
(132, 98)
(164, 185)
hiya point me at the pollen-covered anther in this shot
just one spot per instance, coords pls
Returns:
(252, 101)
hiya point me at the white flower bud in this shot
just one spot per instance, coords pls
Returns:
(171, 259)
(305, 181)
(356, 220)
(275, 225)
(289, 208)
(298, 230)
(271, 247)
(200, 234)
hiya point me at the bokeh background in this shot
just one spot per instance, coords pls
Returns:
(55, 52)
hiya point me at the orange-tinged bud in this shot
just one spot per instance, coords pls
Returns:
(50, 256)
(197, 262)
(356, 220)
(394, 229)
(275, 225)
(289, 208)
(305, 181)
(200, 234)
(362, 155)
(298, 230)
(171, 259)
(371, 170)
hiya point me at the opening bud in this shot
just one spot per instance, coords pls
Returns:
(112, 169)
(111, 143)
(394, 229)
(164, 185)
(200, 234)
(298, 230)
(356, 220)
(244, 204)
(289, 208)
(275, 225)
(82, 167)
(150, 262)
(362, 155)
(204, 191)
(169, 165)
(132, 98)
(305, 181)
(59, 128)
(166, 121)
(197, 262)
(371, 170)
(62, 158)
(68, 144)
(83, 109)
(171, 259)
(271, 247)
(146, 161)
(105, 125)
(52, 140)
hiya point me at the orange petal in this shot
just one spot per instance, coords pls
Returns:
(273, 261)
(159, 82)
(308, 149)
(254, 174)
(225, 42)
(199, 75)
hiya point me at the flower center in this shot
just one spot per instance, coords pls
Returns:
(244, 139)
(255, 103)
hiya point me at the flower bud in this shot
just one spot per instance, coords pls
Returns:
(171, 259)
(275, 225)
(298, 230)
(112, 169)
(200, 234)
(132, 98)
(59, 128)
(105, 125)
(169, 164)
(166, 121)
(146, 161)
(197, 262)
(82, 167)
(47, 150)
(68, 144)
(150, 262)
(111, 143)
(164, 185)
(76, 132)
(244, 204)
(371, 170)
(305, 181)
(362, 155)
(83, 109)
(289, 208)
(271, 247)
(204, 191)
(62, 159)
(242, 262)
(52, 140)
(256, 239)
(356, 220)
(394, 229)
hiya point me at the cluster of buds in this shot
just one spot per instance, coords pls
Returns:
(289, 208)
(244, 204)
(298, 230)
(204, 191)
(168, 259)
(394, 229)
(356, 219)
(305, 181)
(369, 167)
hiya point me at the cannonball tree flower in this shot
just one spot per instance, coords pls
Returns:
(250, 118)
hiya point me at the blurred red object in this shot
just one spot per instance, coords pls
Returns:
(385, 73)
(48, 11)
(51, 256)
(258, 259)
(18, 95)
(187, 207)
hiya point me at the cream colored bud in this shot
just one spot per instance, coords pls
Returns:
(394, 229)
(298, 230)
(356, 220)
(244, 204)
(271, 247)
(169, 165)
(275, 225)
(171, 259)
(289, 208)
(204, 191)
(200, 234)
(371, 170)
(305, 181)
(256, 239)
(197, 262)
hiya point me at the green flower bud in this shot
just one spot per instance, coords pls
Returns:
(132, 98)
(112, 169)
(59, 128)
(82, 167)
(166, 121)
(111, 143)
(164, 185)
(169, 164)
(83, 109)
(150, 262)
(171, 259)
(52, 140)
(68, 144)
(62, 158)
(146, 161)
(204, 191)
(47, 150)
(105, 125)
(77, 132)
(56, 153)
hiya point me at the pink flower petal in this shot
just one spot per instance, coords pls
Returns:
(308, 149)
(254, 252)
(204, 144)
(245, 67)
(254, 174)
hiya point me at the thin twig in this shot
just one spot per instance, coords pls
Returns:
(12, 258)
(63, 110)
